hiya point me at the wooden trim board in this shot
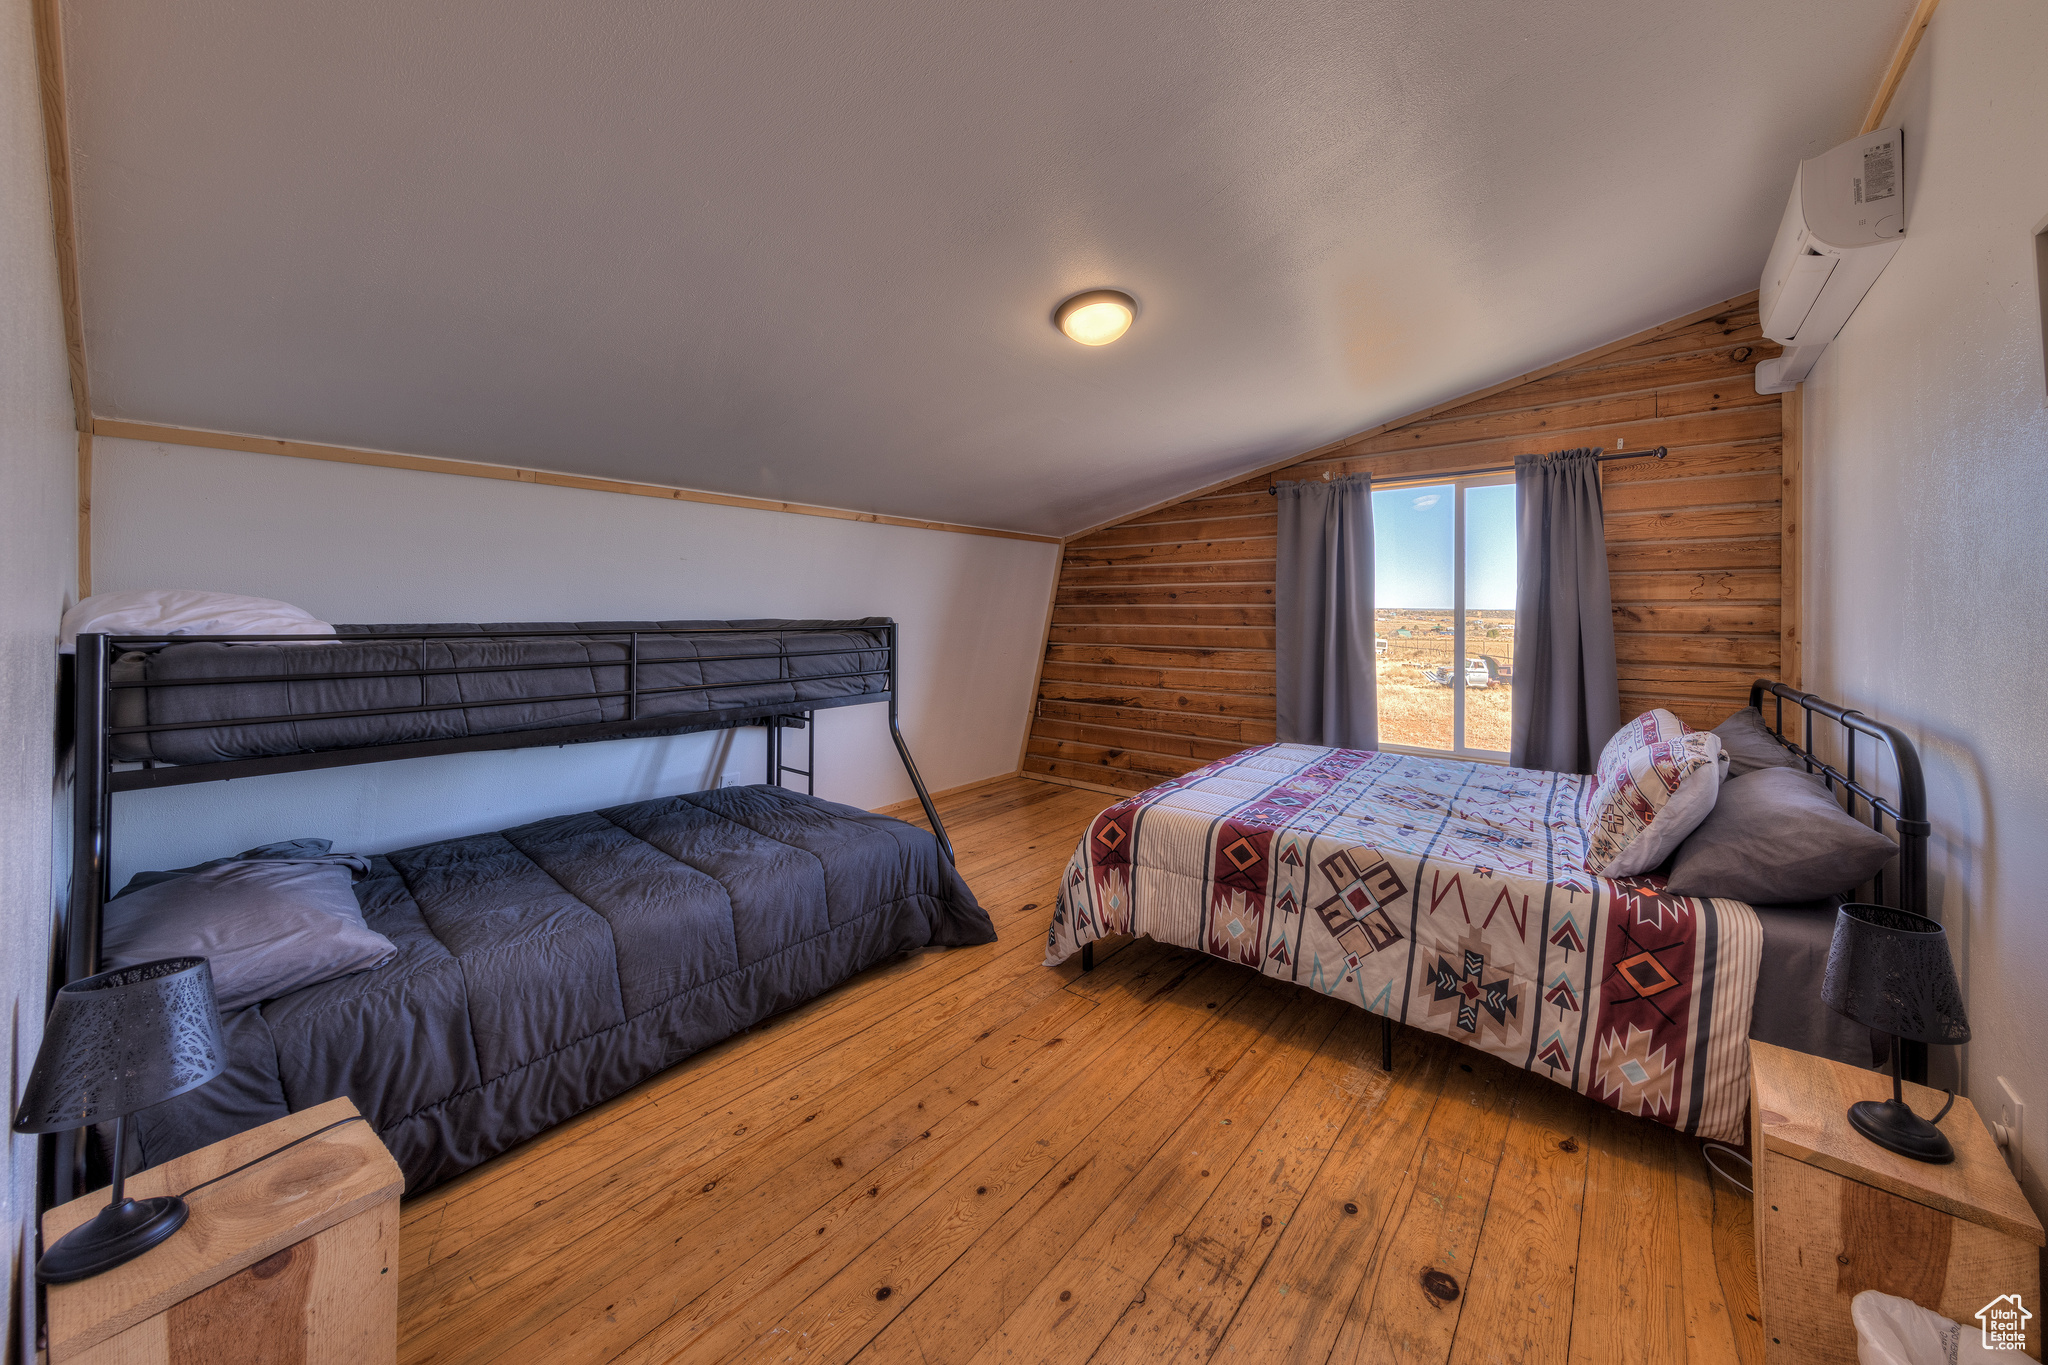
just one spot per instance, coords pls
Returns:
(913, 808)
(1902, 57)
(1052, 596)
(1337, 447)
(1792, 540)
(477, 469)
(1075, 783)
(49, 28)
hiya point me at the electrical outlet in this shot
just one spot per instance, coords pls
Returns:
(2009, 1125)
(731, 780)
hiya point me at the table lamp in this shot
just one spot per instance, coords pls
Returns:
(1890, 970)
(116, 1043)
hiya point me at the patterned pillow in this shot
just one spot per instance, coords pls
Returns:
(1656, 780)
(1651, 727)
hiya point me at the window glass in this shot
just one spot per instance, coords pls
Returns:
(1415, 588)
(1445, 620)
(1489, 614)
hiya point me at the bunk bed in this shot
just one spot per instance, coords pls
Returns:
(1453, 896)
(540, 970)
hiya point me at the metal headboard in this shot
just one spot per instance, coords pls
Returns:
(1907, 811)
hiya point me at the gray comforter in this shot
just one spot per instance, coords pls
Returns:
(756, 664)
(544, 969)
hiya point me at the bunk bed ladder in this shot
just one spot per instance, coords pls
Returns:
(776, 766)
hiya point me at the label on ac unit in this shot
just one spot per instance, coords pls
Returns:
(1880, 179)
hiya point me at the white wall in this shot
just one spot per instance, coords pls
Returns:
(353, 543)
(1927, 518)
(37, 482)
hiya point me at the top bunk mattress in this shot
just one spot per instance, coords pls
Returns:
(560, 674)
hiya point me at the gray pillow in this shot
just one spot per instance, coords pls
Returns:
(283, 849)
(1776, 835)
(268, 926)
(1748, 744)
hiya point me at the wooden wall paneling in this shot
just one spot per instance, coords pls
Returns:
(1735, 424)
(1208, 660)
(1191, 594)
(1240, 730)
(1246, 552)
(1753, 552)
(1248, 682)
(1164, 702)
(1135, 613)
(1159, 533)
(1235, 571)
(1159, 652)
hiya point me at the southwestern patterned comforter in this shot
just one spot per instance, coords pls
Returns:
(1451, 896)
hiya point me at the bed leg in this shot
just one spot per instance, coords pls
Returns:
(1386, 1043)
(1088, 957)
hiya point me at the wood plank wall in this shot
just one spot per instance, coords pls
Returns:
(1159, 655)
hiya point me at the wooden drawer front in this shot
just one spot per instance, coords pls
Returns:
(1825, 1239)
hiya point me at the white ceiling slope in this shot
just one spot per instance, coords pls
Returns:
(809, 251)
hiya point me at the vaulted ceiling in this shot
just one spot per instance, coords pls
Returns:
(810, 251)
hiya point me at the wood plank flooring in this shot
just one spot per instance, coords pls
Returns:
(963, 1156)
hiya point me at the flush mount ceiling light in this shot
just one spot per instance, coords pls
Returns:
(1096, 317)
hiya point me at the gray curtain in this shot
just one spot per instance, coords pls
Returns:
(1327, 683)
(1567, 702)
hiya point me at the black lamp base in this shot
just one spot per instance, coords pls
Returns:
(117, 1234)
(1894, 1127)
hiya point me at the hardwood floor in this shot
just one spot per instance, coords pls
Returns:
(965, 1156)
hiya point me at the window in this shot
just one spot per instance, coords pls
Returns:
(1444, 580)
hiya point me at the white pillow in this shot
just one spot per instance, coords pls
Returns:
(182, 611)
(1656, 781)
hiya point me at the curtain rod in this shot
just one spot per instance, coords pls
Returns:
(1659, 453)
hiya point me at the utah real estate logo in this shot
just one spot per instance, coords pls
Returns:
(2004, 1321)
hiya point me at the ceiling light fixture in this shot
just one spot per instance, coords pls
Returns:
(1097, 317)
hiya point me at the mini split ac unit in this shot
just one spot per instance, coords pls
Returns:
(1842, 227)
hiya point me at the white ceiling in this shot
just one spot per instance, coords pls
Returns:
(810, 251)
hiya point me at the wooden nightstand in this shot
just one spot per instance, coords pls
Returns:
(295, 1258)
(1836, 1214)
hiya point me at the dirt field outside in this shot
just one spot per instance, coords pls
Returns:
(1416, 708)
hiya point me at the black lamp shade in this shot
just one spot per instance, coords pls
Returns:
(122, 1041)
(1890, 970)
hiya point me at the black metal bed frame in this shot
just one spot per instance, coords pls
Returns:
(1907, 811)
(95, 779)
